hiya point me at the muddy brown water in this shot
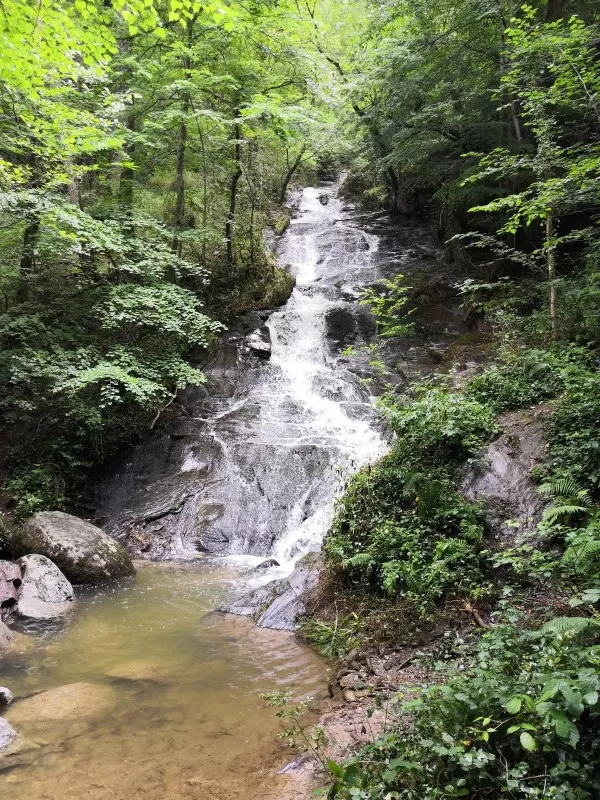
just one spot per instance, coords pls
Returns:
(187, 719)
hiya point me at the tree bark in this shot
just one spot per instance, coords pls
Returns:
(125, 195)
(551, 263)
(180, 186)
(237, 174)
(27, 263)
(289, 175)
(179, 221)
(555, 10)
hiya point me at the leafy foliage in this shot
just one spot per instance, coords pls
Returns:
(519, 721)
(402, 527)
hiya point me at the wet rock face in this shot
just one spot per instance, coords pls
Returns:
(349, 324)
(259, 343)
(252, 458)
(281, 603)
(501, 475)
(45, 592)
(10, 582)
(83, 552)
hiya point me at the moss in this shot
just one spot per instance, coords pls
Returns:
(282, 221)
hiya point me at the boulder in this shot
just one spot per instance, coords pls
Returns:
(82, 551)
(267, 564)
(14, 749)
(259, 343)
(45, 592)
(10, 582)
(279, 604)
(6, 636)
(71, 703)
(6, 696)
(500, 476)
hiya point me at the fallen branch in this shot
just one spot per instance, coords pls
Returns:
(478, 618)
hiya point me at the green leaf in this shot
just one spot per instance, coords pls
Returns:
(514, 705)
(527, 742)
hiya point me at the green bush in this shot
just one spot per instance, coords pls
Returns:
(402, 527)
(575, 432)
(520, 721)
(527, 377)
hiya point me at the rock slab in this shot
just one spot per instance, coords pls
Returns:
(501, 475)
(45, 592)
(10, 582)
(82, 551)
(70, 703)
(279, 604)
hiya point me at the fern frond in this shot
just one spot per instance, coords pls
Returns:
(566, 488)
(563, 625)
(582, 555)
(556, 511)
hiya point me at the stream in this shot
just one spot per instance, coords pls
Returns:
(246, 470)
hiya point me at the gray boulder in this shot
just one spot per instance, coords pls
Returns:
(82, 551)
(501, 478)
(14, 749)
(10, 581)
(6, 696)
(6, 636)
(45, 592)
(279, 604)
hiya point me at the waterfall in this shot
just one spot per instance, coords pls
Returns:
(252, 470)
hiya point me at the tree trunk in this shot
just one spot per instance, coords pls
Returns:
(551, 263)
(27, 263)
(555, 10)
(394, 187)
(289, 175)
(237, 174)
(179, 221)
(125, 195)
(180, 186)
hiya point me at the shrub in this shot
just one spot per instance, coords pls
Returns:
(402, 527)
(519, 721)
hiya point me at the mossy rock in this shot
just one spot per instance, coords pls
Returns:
(82, 551)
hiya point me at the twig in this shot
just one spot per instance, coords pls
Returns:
(160, 410)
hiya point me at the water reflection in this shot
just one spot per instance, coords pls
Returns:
(174, 708)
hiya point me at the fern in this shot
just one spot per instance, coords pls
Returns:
(569, 498)
(562, 626)
(582, 555)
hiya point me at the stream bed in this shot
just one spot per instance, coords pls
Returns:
(175, 709)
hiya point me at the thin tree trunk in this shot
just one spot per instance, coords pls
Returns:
(27, 262)
(180, 185)
(237, 174)
(290, 174)
(204, 194)
(125, 194)
(394, 190)
(179, 221)
(551, 262)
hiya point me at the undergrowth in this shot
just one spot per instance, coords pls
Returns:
(516, 711)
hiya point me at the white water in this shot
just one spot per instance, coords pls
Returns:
(331, 407)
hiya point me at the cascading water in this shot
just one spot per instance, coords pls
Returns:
(252, 469)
